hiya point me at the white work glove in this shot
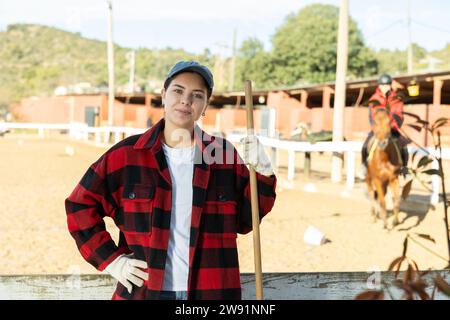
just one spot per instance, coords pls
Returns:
(126, 270)
(254, 155)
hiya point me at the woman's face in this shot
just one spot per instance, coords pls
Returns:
(385, 88)
(185, 99)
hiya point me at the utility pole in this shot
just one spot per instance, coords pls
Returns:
(131, 59)
(339, 100)
(219, 70)
(232, 64)
(410, 45)
(111, 95)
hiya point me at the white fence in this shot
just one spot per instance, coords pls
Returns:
(349, 148)
(103, 135)
(292, 147)
(79, 131)
(277, 286)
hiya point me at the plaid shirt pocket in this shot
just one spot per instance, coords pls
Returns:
(137, 208)
(219, 214)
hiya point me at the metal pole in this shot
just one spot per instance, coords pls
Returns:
(110, 67)
(339, 101)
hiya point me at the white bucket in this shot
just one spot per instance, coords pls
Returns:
(314, 236)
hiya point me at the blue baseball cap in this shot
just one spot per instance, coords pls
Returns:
(192, 66)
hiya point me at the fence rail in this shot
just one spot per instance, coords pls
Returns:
(350, 148)
(277, 286)
(79, 131)
(103, 135)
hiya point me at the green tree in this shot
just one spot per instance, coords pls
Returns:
(395, 61)
(253, 63)
(304, 47)
(35, 59)
(444, 56)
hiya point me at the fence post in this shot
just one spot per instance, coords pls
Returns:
(274, 158)
(106, 134)
(350, 169)
(435, 184)
(307, 165)
(117, 137)
(85, 133)
(291, 165)
(97, 136)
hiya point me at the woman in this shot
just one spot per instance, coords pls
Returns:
(385, 97)
(179, 198)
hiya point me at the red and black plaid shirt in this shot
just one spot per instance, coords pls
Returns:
(395, 104)
(131, 184)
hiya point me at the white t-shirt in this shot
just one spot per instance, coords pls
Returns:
(181, 168)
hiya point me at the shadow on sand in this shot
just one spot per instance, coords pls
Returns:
(415, 206)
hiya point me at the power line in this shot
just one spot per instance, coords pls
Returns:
(430, 26)
(384, 29)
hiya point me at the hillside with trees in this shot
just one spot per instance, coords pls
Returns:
(35, 59)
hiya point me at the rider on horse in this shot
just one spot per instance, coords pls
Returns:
(387, 98)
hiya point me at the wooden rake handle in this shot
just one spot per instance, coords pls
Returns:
(254, 197)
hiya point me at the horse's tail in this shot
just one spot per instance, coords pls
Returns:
(406, 190)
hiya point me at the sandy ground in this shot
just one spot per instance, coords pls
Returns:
(36, 175)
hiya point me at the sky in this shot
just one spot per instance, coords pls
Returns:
(198, 24)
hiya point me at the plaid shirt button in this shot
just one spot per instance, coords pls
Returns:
(132, 195)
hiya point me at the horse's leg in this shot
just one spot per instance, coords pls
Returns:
(381, 201)
(372, 199)
(395, 187)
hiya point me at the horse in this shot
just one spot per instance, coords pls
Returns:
(383, 168)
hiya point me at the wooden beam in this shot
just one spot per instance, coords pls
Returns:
(358, 86)
(360, 96)
(443, 78)
(326, 97)
(238, 102)
(148, 99)
(437, 92)
(304, 98)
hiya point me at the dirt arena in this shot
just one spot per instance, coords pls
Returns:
(37, 175)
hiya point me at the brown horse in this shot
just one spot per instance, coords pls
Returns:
(383, 168)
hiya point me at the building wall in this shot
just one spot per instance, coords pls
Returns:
(142, 114)
(210, 118)
(289, 113)
(156, 114)
(66, 109)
